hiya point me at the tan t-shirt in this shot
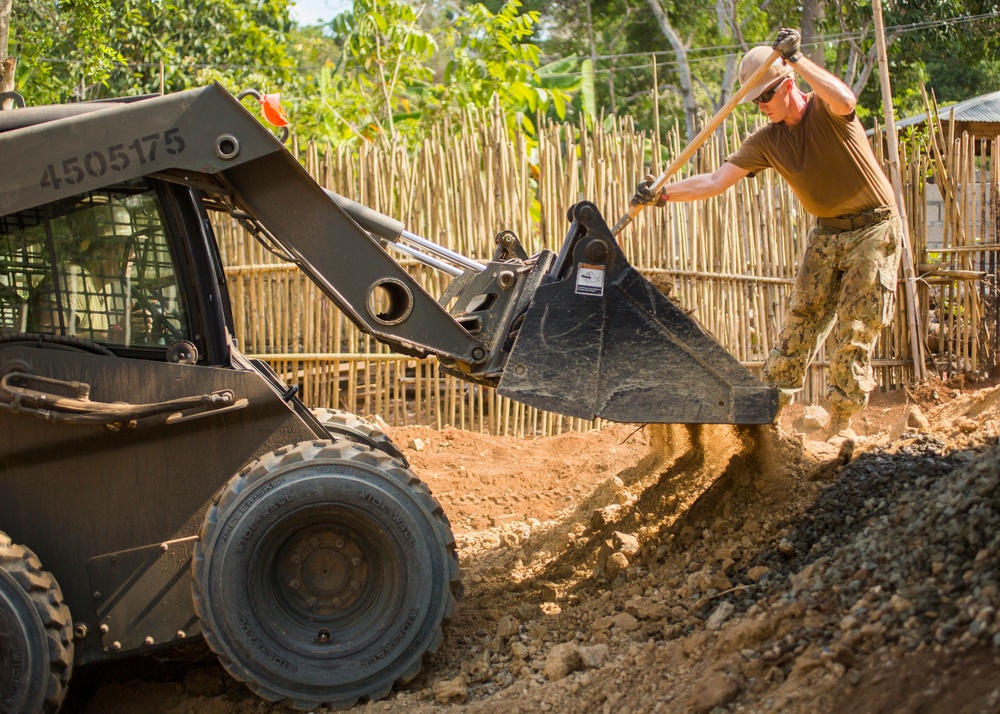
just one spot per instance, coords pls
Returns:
(825, 158)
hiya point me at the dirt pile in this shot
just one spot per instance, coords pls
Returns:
(706, 569)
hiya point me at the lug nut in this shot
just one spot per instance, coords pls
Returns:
(294, 584)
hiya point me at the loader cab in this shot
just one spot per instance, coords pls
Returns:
(114, 267)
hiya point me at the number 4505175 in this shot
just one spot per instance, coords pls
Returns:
(119, 157)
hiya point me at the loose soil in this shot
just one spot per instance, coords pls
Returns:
(695, 569)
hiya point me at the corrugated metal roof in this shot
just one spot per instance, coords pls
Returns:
(984, 108)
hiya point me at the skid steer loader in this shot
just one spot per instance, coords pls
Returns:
(158, 486)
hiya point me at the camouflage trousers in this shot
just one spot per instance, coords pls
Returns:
(846, 283)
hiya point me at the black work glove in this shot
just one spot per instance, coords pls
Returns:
(789, 43)
(646, 196)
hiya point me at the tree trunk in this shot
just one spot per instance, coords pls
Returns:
(5, 6)
(6, 63)
(683, 68)
(729, 31)
(813, 14)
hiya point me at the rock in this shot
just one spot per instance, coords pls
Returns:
(605, 516)
(644, 609)
(719, 615)
(625, 622)
(710, 579)
(451, 691)
(518, 650)
(562, 659)
(594, 656)
(417, 444)
(616, 563)
(717, 689)
(603, 624)
(548, 590)
(898, 603)
(625, 543)
(814, 418)
(745, 634)
(915, 418)
(757, 572)
(477, 670)
(506, 627)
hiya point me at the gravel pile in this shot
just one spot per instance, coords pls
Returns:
(903, 548)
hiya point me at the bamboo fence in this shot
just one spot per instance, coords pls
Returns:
(730, 260)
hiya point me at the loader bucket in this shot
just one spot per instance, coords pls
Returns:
(599, 340)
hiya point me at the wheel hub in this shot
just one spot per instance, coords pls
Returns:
(323, 573)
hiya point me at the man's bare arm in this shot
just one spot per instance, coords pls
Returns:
(706, 185)
(829, 88)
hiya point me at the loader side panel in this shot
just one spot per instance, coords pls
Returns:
(79, 492)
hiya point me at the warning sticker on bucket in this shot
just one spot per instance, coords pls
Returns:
(590, 279)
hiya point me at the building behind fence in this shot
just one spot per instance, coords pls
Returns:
(730, 260)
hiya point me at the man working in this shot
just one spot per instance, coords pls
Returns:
(848, 274)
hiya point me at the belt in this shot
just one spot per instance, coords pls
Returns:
(855, 221)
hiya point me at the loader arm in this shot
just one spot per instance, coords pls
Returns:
(204, 137)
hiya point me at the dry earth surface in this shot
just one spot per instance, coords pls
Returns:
(710, 570)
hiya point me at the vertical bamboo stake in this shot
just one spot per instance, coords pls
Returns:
(912, 308)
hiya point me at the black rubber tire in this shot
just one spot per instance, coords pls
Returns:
(323, 574)
(344, 425)
(36, 640)
(41, 339)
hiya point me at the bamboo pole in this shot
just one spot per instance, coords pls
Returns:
(912, 308)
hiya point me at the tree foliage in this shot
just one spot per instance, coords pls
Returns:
(392, 73)
(399, 65)
(85, 49)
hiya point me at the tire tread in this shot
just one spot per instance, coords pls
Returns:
(45, 595)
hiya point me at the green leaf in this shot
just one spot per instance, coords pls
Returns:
(588, 96)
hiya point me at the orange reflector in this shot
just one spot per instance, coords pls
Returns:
(270, 105)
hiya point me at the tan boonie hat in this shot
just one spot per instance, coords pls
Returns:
(751, 61)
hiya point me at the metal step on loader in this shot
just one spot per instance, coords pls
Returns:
(157, 486)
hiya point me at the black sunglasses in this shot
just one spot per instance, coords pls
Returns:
(769, 93)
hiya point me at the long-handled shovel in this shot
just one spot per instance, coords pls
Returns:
(695, 144)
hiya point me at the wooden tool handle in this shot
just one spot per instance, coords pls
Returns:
(688, 152)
